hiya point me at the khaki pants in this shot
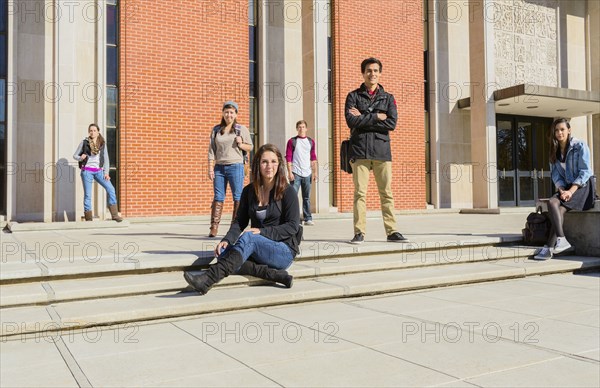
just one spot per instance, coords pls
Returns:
(383, 177)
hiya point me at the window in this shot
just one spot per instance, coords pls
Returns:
(112, 89)
(253, 74)
(3, 71)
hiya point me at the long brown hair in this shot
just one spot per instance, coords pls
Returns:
(101, 141)
(554, 145)
(280, 179)
(224, 124)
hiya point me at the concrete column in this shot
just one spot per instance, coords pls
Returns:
(483, 114)
(281, 70)
(450, 147)
(593, 42)
(32, 113)
(11, 114)
(436, 58)
(57, 93)
(315, 89)
(78, 101)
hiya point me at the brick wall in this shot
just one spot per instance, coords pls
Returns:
(391, 31)
(178, 62)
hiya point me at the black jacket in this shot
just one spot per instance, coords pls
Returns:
(282, 222)
(370, 137)
(87, 149)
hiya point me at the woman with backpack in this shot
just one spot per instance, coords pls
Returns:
(229, 143)
(92, 156)
(270, 206)
(571, 169)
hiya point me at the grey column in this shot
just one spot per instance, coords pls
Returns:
(483, 113)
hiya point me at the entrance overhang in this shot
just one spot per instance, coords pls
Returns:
(542, 101)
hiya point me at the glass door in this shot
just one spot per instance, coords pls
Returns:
(506, 167)
(541, 153)
(522, 152)
(526, 170)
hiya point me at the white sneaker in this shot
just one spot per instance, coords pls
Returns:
(540, 249)
(562, 245)
(544, 254)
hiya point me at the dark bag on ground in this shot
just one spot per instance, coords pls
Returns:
(537, 228)
(345, 156)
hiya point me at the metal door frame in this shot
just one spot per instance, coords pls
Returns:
(535, 173)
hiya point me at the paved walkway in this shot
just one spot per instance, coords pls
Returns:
(537, 331)
(534, 332)
(124, 242)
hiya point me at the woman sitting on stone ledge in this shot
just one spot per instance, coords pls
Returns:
(570, 166)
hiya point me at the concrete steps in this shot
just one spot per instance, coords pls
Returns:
(167, 276)
(27, 267)
(44, 298)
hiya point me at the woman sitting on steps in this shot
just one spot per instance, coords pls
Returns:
(270, 205)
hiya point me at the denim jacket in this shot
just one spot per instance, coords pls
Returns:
(578, 166)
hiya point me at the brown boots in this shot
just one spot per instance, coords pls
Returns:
(215, 218)
(89, 215)
(236, 206)
(114, 213)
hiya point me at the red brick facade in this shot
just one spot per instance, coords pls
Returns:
(393, 34)
(178, 63)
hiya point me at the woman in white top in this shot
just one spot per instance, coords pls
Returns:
(92, 156)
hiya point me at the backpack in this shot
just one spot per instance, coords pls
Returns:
(85, 149)
(592, 195)
(537, 228)
(345, 156)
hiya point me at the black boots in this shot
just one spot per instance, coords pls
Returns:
(225, 266)
(215, 218)
(263, 271)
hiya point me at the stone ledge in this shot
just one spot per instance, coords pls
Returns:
(581, 228)
(43, 226)
(543, 204)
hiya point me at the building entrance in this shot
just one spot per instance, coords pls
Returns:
(523, 167)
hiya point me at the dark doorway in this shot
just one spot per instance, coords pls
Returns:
(523, 167)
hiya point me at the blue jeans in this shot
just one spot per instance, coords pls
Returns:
(275, 254)
(304, 183)
(88, 177)
(232, 173)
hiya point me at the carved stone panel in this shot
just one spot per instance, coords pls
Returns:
(525, 41)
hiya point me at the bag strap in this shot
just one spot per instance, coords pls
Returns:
(216, 130)
(238, 132)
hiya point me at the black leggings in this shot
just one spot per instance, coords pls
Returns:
(557, 216)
